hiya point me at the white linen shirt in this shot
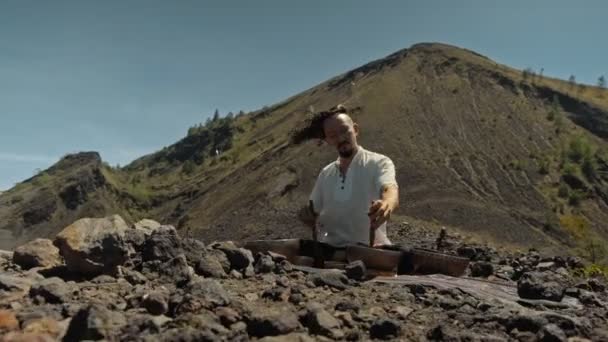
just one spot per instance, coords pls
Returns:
(343, 204)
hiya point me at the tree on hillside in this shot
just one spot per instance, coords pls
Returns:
(601, 82)
(572, 80)
(216, 115)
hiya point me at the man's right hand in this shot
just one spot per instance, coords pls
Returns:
(307, 216)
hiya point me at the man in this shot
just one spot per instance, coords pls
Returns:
(357, 192)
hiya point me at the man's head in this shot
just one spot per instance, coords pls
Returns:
(333, 126)
(340, 132)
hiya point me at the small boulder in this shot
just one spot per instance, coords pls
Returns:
(331, 278)
(193, 249)
(54, 290)
(272, 323)
(264, 264)
(161, 245)
(209, 292)
(156, 303)
(525, 322)
(385, 329)
(356, 270)
(177, 271)
(552, 333)
(239, 258)
(95, 322)
(147, 226)
(37, 253)
(597, 285)
(92, 246)
(535, 285)
(227, 316)
(482, 269)
(210, 266)
(321, 322)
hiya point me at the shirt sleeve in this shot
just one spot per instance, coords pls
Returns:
(386, 173)
(316, 195)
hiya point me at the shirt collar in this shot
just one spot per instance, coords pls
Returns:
(355, 158)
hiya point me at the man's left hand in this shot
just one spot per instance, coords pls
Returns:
(379, 212)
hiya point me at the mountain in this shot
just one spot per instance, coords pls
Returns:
(506, 156)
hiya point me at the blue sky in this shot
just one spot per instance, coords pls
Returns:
(126, 78)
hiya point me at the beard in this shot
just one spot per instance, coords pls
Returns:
(345, 150)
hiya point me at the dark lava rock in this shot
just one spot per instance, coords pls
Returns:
(264, 264)
(210, 266)
(473, 253)
(321, 322)
(589, 298)
(296, 298)
(221, 258)
(356, 270)
(467, 252)
(133, 277)
(193, 249)
(277, 293)
(239, 258)
(161, 246)
(227, 316)
(482, 269)
(285, 266)
(552, 333)
(94, 323)
(177, 270)
(535, 285)
(575, 262)
(156, 303)
(441, 332)
(276, 257)
(597, 285)
(335, 279)
(209, 291)
(272, 323)
(188, 334)
(351, 306)
(54, 290)
(136, 238)
(385, 329)
(525, 322)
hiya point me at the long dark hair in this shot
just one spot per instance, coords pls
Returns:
(312, 126)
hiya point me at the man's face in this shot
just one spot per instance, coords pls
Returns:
(341, 133)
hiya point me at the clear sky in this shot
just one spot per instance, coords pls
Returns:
(126, 78)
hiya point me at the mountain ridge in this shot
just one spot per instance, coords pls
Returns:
(469, 136)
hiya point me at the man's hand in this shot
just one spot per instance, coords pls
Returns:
(379, 212)
(308, 215)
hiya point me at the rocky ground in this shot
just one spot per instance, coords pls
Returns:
(101, 279)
